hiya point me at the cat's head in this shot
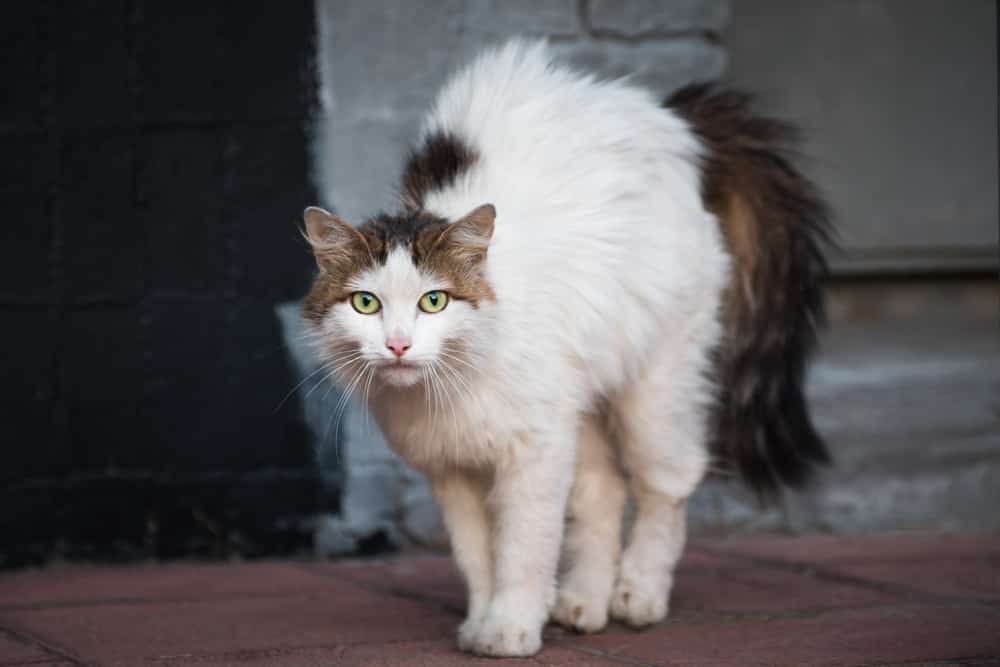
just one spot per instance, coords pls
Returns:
(399, 296)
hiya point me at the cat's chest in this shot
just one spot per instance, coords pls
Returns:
(431, 431)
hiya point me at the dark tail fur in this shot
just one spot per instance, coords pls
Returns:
(775, 226)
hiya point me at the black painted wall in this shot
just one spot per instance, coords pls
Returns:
(154, 162)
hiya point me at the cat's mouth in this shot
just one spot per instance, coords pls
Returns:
(401, 373)
(401, 363)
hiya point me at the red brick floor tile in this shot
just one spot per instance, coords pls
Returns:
(773, 601)
(970, 578)
(895, 634)
(432, 577)
(765, 591)
(839, 549)
(398, 654)
(178, 581)
(123, 633)
(15, 652)
(445, 654)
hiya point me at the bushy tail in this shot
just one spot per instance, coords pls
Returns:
(775, 226)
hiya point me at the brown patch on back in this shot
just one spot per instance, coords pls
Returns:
(441, 159)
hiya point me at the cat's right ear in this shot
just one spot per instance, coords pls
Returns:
(335, 243)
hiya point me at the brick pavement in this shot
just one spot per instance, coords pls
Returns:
(899, 600)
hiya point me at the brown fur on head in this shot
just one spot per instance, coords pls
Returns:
(456, 252)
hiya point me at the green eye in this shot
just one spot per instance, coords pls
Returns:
(433, 302)
(365, 303)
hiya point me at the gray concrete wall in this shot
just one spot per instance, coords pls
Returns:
(899, 102)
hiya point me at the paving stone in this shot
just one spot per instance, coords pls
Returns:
(433, 577)
(764, 591)
(969, 578)
(124, 633)
(404, 654)
(851, 637)
(76, 585)
(445, 653)
(727, 610)
(15, 652)
(844, 549)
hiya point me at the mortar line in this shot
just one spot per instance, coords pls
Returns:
(388, 590)
(50, 649)
(825, 573)
(623, 659)
(610, 35)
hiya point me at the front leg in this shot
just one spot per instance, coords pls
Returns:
(528, 503)
(462, 497)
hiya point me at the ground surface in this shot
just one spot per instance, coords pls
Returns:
(917, 599)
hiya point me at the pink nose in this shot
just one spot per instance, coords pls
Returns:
(399, 346)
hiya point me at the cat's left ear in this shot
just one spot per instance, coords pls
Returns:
(469, 236)
(335, 243)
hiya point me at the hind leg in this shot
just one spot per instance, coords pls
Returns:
(593, 533)
(662, 421)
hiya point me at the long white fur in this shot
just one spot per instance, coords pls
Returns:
(607, 272)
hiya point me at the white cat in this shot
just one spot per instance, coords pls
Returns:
(582, 291)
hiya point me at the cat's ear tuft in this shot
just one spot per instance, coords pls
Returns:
(333, 241)
(471, 234)
(316, 220)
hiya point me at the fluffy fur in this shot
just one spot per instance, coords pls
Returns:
(580, 357)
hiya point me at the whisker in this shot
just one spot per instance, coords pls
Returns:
(437, 400)
(460, 379)
(444, 352)
(343, 403)
(297, 385)
(364, 398)
(338, 368)
(447, 392)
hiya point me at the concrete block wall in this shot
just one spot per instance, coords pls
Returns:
(152, 161)
(381, 62)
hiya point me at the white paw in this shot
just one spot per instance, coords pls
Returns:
(468, 631)
(507, 631)
(639, 606)
(580, 611)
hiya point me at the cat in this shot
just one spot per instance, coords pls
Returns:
(584, 294)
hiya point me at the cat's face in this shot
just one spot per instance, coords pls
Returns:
(399, 297)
